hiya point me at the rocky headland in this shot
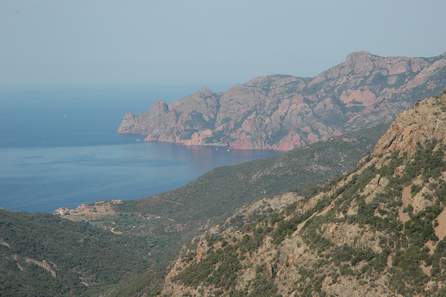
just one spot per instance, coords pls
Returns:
(282, 112)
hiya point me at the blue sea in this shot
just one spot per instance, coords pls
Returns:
(59, 148)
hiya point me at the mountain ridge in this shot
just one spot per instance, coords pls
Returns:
(281, 112)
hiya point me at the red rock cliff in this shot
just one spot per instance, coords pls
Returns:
(281, 112)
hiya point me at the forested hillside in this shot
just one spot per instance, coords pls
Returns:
(44, 255)
(171, 219)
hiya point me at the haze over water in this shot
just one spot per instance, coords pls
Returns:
(60, 148)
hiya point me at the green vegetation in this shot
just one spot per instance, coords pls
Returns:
(403, 243)
(262, 286)
(419, 229)
(251, 243)
(84, 258)
(441, 191)
(149, 280)
(207, 271)
(221, 191)
(409, 239)
(427, 162)
(415, 189)
(287, 227)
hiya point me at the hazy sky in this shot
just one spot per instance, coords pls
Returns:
(166, 42)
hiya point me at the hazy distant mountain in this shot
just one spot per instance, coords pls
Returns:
(282, 112)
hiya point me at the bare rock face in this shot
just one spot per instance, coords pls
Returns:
(281, 112)
(377, 231)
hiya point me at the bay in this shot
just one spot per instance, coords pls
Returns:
(59, 148)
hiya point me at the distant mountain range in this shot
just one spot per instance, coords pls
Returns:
(281, 112)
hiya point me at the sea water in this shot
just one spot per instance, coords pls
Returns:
(59, 148)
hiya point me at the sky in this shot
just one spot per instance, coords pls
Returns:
(55, 43)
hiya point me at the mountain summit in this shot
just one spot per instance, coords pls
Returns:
(281, 112)
(378, 231)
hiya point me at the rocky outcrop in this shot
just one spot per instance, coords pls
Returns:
(347, 240)
(281, 112)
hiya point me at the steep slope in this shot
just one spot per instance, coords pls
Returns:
(378, 231)
(281, 112)
(170, 219)
(43, 255)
